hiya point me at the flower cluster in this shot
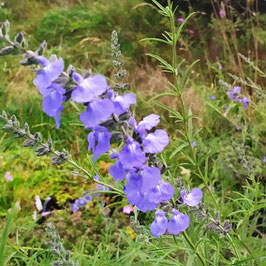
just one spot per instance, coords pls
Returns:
(234, 95)
(178, 222)
(108, 117)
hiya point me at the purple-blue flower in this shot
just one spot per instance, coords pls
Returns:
(194, 144)
(97, 111)
(147, 123)
(245, 101)
(159, 225)
(149, 178)
(52, 69)
(179, 222)
(193, 198)
(121, 102)
(88, 88)
(162, 192)
(117, 171)
(102, 136)
(213, 98)
(155, 142)
(131, 156)
(52, 102)
(264, 159)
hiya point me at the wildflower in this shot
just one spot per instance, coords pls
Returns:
(98, 110)
(233, 95)
(191, 32)
(193, 198)
(51, 91)
(88, 88)
(245, 101)
(131, 156)
(180, 20)
(121, 102)
(194, 143)
(222, 13)
(162, 192)
(52, 69)
(179, 222)
(238, 128)
(220, 67)
(8, 176)
(155, 142)
(102, 136)
(159, 225)
(128, 209)
(264, 159)
(213, 98)
(117, 171)
(147, 123)
(75, 205)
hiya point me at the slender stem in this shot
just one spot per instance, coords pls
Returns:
(192, 245)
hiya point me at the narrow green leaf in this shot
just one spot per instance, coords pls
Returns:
(178, 149)
(155, 40)
(164, 62)
(177, 114)
(161, 95)
(185, 75)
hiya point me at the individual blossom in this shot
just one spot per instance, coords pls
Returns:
(155, 142)
(128, 209)
(117, 171)
(245, 101)
(194, 144)
(97, 111)
(121, 102)
(147, 123)
(99, 141)
(180, 20)
(264, 159)
(179, 222)
(191, 32)
(213, 98)
(51, 70)
(233, 95)
(88, 88)
(162, 192)
(159, 225)
(193, 198)
(131, 156)
(52, 92)
(8, 176)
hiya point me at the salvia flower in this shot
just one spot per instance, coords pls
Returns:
(121, 102)
(88, 88)
(155, 142)
(97, 111)
(264, 159)
(178, 223)
(213, 98)
(159, 225)
(131, 156)
(102, 136)
(193, 198)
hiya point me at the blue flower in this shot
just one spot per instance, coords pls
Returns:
(121, 102)
(52, 102)
(179, 222)
(131, 156)
(159, 225)
(88, 88)
(213, 98)
(52, 69)
(245, 101)
(117, 171)
(147, 123)
(150, 178)
(155, 142)
(162, 192)
(102, 136)
(193, 198)
(97, 111)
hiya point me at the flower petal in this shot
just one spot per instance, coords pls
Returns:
(155, 142)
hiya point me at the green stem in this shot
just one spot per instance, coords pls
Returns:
(192, 245)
